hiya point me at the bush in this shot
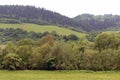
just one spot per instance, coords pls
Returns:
(58, 55)
(12, 62)
(106, 60)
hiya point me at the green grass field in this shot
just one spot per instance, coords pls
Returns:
(41, 28)
(59, 75)
(111, 32)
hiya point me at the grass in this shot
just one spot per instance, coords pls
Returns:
(58, 75)
(111, 32)
(41, 28)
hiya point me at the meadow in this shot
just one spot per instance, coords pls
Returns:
(59, 75)
(112, 32)
(42, 28)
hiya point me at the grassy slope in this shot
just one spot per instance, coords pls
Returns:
(58, 75)
(111, 31)
(40, 28)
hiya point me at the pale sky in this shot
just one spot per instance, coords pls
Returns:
(72, 8)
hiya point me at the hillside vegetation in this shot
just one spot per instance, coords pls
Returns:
(84, 22)
(99, 22)
(31, 14)
(42, 28)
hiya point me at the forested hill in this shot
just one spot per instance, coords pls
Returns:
(31, 14)
(99, 22)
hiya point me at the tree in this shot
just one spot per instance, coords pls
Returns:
(72, 37)
(26, 41)
(105, 41)
(51, 64)
(36, 59)
(25, 53)
(1, 57)
(47, 39)
(10, 48)
(63, 54)
(12, 62)
(91, 36)
(40, 57)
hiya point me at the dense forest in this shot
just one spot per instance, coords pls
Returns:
(31, 14)
(99, 22)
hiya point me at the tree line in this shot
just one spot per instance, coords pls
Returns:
(50, 54)
(10, 34)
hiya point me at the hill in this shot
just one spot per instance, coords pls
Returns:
(99, 22)
(31, 14)
(42, 28)
(17, 14)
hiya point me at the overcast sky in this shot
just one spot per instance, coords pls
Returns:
(72, 8)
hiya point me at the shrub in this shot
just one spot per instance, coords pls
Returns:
(12, 62)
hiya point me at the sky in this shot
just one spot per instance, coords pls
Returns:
(72, 8)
